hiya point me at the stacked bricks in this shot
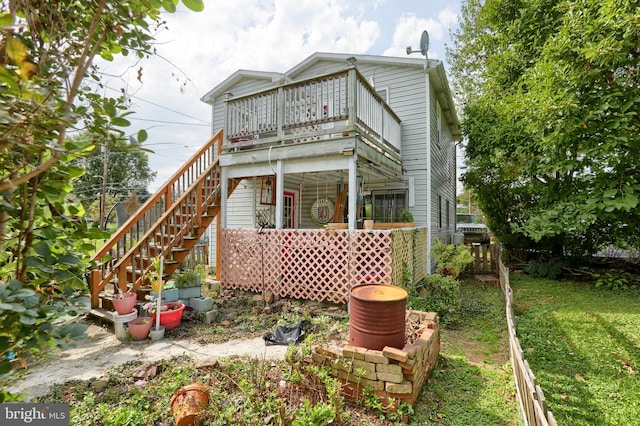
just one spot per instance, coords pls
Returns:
(394, 375)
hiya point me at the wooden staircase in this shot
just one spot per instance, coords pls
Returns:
(170, 223)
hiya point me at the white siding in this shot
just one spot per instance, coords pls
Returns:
(406, 87)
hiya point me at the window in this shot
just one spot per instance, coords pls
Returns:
(440, 211)
(384, 93)
(448, 215)
(388, 205)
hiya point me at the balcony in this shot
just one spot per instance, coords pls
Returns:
(333, 112)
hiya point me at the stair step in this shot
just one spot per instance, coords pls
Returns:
(102, 314)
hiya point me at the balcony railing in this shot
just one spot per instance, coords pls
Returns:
(329, 106)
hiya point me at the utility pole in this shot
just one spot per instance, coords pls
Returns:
(103, 192)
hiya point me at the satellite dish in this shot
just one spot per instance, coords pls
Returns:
(424, 43)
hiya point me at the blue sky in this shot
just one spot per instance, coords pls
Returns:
(199, 50)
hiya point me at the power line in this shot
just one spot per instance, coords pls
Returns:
(161, 106)
(168, 122)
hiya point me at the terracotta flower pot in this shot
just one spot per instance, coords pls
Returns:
(124, 302)
(172, 317)
(139, 327)
(188, 403)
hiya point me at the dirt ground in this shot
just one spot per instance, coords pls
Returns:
(100, 350)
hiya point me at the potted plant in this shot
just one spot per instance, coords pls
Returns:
(170, 313)
(203, 271)
(187, 404)
(188, 284)
(139, 327)
(123, 303)
(406, 218)
(156, 281)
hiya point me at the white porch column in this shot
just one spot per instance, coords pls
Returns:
(279, 195)
(353, 191)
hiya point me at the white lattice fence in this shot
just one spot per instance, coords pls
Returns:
(308, 264)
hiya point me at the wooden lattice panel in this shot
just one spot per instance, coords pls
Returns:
(371, 260)
(420, 257)
(313, 264)
(402, 254)
(308, 264)
(241, 259)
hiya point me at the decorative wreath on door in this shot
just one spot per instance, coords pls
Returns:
(322, 210)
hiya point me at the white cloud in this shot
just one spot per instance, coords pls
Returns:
(407, 33)
(448, 17)
(202, 49)
(409, 27)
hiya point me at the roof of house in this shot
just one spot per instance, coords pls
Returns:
(234, 78)
(435, 69)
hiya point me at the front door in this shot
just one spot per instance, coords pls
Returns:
(289, 212)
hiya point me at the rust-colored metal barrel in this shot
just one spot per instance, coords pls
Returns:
(377, 316)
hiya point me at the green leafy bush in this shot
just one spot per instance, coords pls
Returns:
(545, 269)
(614, 280)
(437, 293)
(450, 259)
(187, 279)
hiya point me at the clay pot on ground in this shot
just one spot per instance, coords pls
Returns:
(139, 327)
(123, 303)
(188, 403)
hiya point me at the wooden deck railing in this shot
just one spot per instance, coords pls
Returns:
(169, 224)
(319, 108)
(532, 400)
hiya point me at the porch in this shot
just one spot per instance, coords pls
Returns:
(326, 109)
(319, 264)
(328, 127)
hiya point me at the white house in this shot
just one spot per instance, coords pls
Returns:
(381, 130)
(298, 162)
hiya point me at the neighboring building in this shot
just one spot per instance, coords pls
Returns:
(338, 138)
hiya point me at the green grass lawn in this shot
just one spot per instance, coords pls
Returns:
(583, 347)
(473, 383)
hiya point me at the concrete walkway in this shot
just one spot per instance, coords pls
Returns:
(94, 355)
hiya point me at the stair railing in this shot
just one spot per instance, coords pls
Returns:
(169, 223)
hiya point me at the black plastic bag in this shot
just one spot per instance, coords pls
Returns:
(287, 334)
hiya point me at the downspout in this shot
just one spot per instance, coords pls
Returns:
(429, 200)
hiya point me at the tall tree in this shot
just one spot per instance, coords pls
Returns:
(47, 50)
(550, 93)
(127, 170)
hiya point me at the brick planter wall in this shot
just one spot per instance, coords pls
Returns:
(395, 375)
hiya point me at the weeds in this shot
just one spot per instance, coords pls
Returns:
(293, 391)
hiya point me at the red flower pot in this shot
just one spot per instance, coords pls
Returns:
(124, 302)
(170, 318)
(139, 327)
